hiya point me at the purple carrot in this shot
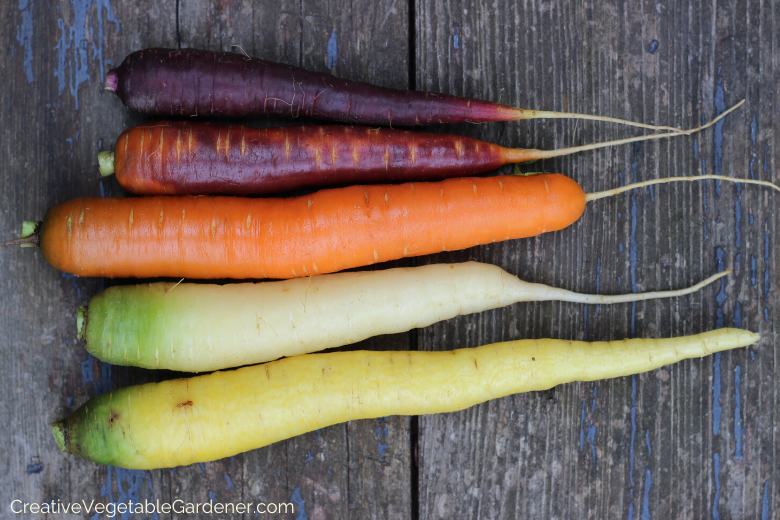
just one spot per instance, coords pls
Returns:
(193, 158)
(190, 82)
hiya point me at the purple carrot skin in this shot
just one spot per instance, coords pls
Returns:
(190, 82)
(191, 158)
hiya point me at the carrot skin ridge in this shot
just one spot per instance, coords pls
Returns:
(328, 231)
(193, 158)
(171, 82)
(208, 417)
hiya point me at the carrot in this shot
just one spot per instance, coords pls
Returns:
(190, 82)
(186, 158)
(208, 417)
(328, 231)
(202, 327)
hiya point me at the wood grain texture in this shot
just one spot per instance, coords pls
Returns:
(651, 446)
(657, 445)
(57, 117)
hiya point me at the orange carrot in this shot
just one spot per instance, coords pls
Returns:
(327, 231)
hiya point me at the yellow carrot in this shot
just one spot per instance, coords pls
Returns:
(221, 414)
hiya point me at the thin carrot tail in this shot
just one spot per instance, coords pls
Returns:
(569, 296)
(523, 113)
(521, 155)
(608, 193)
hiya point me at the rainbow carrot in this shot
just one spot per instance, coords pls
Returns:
(190, 82)
(203, 418)
(327, 231)
(186, 158)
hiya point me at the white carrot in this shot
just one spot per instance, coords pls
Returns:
(203, 327)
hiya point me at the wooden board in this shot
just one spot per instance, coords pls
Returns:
(658, 445)
(694, 440)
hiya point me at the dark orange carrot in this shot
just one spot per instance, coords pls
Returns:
(191, 158)
(331, 230)
(191, 82)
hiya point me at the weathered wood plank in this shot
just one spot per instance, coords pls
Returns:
(652, 444)
(58, 120)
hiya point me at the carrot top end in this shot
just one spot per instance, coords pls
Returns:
(60, 430)
(81, 320)
(106, 163)
(112, 80)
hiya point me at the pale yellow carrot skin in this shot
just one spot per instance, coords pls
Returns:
(204, 327)
(213, 416)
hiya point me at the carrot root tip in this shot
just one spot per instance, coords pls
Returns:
(106, 163)
(112, 80)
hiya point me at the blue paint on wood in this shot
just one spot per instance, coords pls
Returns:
(721, 297)
(592, 427)
(308, 458)
(753, 129)
(633, 433)
(696, 148)
(765, 502)
(647, 442)
(715, 512)
(74, 42)
(34, 468)
(455, 42)
(70, 401)
(129, 487)
(73, 277)
(298, 501)
(766, 260)
(646, 495)
(738, 215)
(737, 412)
(202, 467)
(86, 370)
(333, 50)
(381, 449)
(717, 410)
(229, 482)
(704, 197)
(752, 269)
(652, 47)
(24, 34)
(631, 510)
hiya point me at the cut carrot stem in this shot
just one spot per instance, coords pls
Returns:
(203, 418)
(190, 82)
(325, 232)
(203, 327)
(191, 158)
(29, 236)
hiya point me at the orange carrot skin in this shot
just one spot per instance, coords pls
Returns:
(191, 82)
(328, 231)
(191, 158)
